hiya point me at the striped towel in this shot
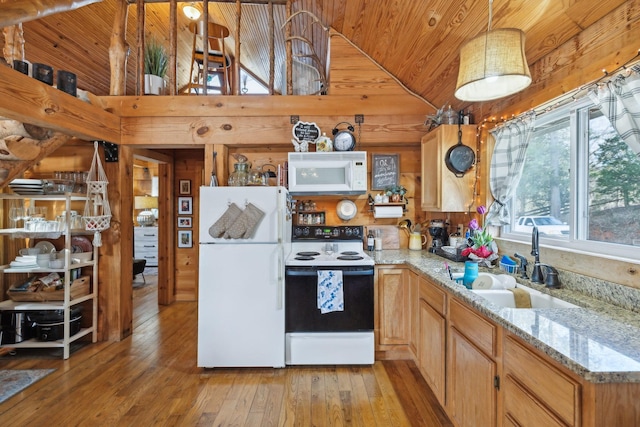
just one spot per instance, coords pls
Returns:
(330, 294)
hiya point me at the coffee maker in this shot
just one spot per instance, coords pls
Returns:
(439, 235)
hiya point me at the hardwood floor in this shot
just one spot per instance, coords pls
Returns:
(150, 378)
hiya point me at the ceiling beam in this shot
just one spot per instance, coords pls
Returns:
(219, 1)
(27, 100)
(19, 11)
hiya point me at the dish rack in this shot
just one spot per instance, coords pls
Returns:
(511, 269)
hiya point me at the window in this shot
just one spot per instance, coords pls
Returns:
(580, 185)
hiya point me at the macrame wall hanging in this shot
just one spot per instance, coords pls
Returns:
(97, 213)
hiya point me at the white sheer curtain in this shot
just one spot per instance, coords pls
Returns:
(619, 101)
(512, 140)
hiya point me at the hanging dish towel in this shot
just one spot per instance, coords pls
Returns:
(225, 221)
(246, 224)
(330, 293)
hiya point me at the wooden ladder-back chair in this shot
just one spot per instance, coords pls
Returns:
(218, 62)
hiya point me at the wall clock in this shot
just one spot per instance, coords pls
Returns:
(344, 140)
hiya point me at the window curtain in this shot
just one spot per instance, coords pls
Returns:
(619, 101)
(507, 162)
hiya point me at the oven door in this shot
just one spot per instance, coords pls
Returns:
(301, 301)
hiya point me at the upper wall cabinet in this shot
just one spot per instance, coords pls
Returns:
(442, 190)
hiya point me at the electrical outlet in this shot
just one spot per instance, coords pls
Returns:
(294, 119)
(359, 118)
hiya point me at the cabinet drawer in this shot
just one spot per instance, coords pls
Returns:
(480, 331)
(524, 410)
(557, 391)
(435, 297)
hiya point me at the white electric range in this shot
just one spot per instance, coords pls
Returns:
(341, 336)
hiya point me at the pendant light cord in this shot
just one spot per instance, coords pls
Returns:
(490, 14)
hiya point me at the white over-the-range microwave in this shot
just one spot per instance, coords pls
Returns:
(332, 172)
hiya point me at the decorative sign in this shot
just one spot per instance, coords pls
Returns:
(305, 131)
(384, 171)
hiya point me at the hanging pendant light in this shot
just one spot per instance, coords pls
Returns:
(191, 11)
(493, 65)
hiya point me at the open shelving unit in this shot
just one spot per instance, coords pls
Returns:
(87, 268)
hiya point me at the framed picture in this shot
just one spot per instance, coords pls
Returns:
(184, 222)
(185, 205)
(185, 239)
(185, 186)
(385, 170)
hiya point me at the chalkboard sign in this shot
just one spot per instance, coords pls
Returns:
(305, 131)
(385, 170)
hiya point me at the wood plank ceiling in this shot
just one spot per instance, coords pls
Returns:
(415, 40)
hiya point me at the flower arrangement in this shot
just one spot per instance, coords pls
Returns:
(395, 193)
(483, 247)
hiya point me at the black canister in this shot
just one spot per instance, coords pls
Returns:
(43, 72)
(21, 66)
(67, 82)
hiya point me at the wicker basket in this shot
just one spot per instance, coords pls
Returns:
(79, 287)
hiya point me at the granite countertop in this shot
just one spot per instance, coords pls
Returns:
(600, 341)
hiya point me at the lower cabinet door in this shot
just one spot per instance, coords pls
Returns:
(431, 353)
(471, 396)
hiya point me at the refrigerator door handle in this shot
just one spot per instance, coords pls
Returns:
(279, 292)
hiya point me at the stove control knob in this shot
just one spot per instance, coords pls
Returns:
(347, 231)
(356, 232)
(305, 231)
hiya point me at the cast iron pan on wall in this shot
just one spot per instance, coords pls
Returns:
(459, 158)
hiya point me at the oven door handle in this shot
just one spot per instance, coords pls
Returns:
(368, 272)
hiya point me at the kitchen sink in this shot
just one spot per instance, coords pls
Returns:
(505, 298)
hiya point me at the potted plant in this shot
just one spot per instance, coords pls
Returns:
(396, 193)
(155, 67)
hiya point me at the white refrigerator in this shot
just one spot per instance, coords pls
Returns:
(241, 280)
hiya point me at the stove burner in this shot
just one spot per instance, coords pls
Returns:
(350, 257)
(305, 258)
(349, 253)
(307, 254)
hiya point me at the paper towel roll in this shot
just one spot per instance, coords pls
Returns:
(387, 211)
(485, 281)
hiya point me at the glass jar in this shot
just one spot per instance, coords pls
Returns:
(240, 175)
(257, 177)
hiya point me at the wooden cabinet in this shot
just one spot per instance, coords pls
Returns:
(394, 308)
(535, 392)
(431, 354)
(145, 245)
(472, 370)
(442, 191)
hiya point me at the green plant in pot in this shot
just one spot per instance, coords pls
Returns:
(156, 62)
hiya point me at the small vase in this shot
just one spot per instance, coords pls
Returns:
(395, 198)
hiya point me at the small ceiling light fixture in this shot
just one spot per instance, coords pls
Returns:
(493, 65)
(191, 11)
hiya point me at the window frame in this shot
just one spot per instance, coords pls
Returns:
(578, 112)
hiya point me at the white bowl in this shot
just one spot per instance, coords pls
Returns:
(56, 263)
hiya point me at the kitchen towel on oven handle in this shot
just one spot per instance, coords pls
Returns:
(330, 291)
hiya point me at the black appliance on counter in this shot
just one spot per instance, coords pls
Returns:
(14, 327)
